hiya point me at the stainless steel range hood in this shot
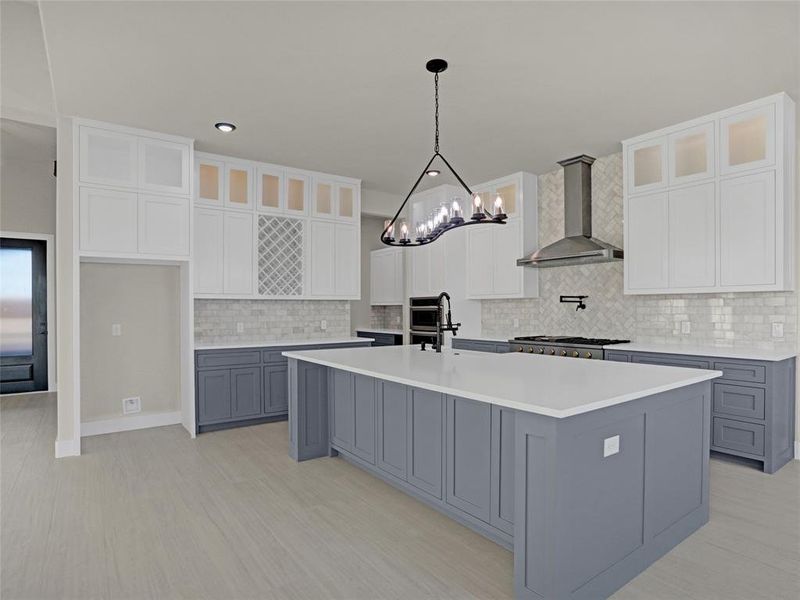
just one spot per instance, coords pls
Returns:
(577, 247)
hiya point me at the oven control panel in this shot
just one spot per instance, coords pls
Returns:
(564, 351)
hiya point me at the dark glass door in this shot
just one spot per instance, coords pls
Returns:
(23, 315)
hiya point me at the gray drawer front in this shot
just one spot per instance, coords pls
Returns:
(617, 356)
(738, 435)
(670, 361)
(273, 356)
(747, 372)
(228, 359)
(739, 401)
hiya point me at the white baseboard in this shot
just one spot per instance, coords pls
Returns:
(66, 448)
(797, 450)
(130, 423)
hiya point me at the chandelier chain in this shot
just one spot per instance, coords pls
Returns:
(436, 114)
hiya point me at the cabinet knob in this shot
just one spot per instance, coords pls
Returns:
(588, 355)
(541, 350)
(552, 351)
(519, 348)
(575, 354)
(530, 350)
(563, 353)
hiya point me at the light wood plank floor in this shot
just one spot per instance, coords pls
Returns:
(154, 514)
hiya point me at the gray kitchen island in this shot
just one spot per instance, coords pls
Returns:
(588, 470)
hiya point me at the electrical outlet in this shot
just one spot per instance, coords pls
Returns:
(610, 446)
(131, 405)
(116, 329)
(397, 319)
(240, 328)
(777, 329)
(686, 327)
(323, 324)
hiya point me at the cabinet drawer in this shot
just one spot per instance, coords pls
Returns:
(742, 372)
(740, 436)
(739, 401)
(228, 359)
(617, 356)
(669, 361)
(275, 356)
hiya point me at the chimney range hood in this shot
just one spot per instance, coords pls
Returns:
(577, 247)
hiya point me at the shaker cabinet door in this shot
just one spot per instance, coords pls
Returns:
(246, 392)
(208, 251)
(238, 253)
(647, 166)
(276, 389)
(322, 258)
(425, 421)
(163, 166)
(163, 225)
(469, 447)
(108, 221)
(646, 243)
(108, 157)
(692, 239)
(747, 140)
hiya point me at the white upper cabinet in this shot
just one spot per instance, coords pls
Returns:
(335, 260)
(347, 266)
(747, 139)
(323, 277)
(647, 165)
(691, 154)
(323, 205)
(163, 166)
(335, 200)
(270, 190)
(108, 221)
(164, 225)
(386, 276)
(347, 201)
(297, 193)
(480, 260)
(209, 183)
(692, 237)
(646, 242)
(724, 220)
(108, 157)
(748, 242)
(239, 188)
(208, 259)
(237, 253)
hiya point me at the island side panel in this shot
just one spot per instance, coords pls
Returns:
(585, 523)
(308, 410)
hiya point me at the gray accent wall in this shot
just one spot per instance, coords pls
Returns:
(714, 318)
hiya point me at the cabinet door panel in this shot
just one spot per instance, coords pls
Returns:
(425, 432)
(238, 253)
(296, 193)
(346, 259)
(647, 166)
(691, 154)
(392, 428)
(748, 230)
(163, 225)
(270, 191)
(747, 140)
(646, 244)
(276, 389)
(346, 201)
(364, 414)
(507, 275)
(323, 199)
(238, 186)
(469, 469)
(246, 392)
(380, 274)
(163, 166)
(108, 220)
(209, 182)
(342, 409)
(437, 255)
(208, 251)
(213, 395)
(322, 258)
(421, 271)
(502, 515)
(692, 240)
(480, 260)
(108, 157)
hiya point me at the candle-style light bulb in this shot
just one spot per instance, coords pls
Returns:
(477, 201)
(498, 205)
(443, 215)
(404, 232)
(456, 208)
(388, 228)
(456, 216)
(477, 213)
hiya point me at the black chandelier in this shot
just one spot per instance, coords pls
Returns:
(444, 218)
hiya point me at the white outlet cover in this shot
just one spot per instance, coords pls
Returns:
(610, 446)
(131, 405)
(116, 329)
(239, 327)
(323, 324)
(686, 327)
(777, 329)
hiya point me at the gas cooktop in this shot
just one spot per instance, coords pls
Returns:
(566, 340)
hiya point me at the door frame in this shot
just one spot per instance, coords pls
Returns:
(48, 239)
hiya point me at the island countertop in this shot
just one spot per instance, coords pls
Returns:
(545, 385)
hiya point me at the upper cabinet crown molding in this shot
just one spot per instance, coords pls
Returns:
(709, 203)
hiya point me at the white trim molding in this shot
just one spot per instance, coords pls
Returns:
(66, 448)
(144, 421)
(797, 450)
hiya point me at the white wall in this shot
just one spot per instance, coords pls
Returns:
(145, 360)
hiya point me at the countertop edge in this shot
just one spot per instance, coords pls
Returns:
(283, 343)
(713, 352)
(540, 410)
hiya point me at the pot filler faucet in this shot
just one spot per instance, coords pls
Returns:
(448, 324)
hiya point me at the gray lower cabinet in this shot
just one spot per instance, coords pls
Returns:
(502, 515)
(364, 418)
(753, 403)
(243, 386)
(425, 440)
(479, 345)
(392, 425)
(341, 411)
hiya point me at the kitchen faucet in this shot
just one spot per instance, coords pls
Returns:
(448, 326)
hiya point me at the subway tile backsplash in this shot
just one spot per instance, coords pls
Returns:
(715, 319)
(386, 317)
(215, 321)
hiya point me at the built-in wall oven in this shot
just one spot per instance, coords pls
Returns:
(423, 319)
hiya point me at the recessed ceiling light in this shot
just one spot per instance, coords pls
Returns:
(432, 172)
(225, 127)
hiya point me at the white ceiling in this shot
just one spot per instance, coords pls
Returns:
(341, 86)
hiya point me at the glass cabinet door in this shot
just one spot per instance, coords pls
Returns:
(239, 186)
(346, 201)
(270, 193)
(209, 176)
(296, 193)
(691, 154)
(647, 165)
(323, 199)
(747, 140)
(163, 166)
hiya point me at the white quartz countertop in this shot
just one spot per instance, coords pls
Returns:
(753, 352)
(377, 330)
(277, 343)
(546, 385)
